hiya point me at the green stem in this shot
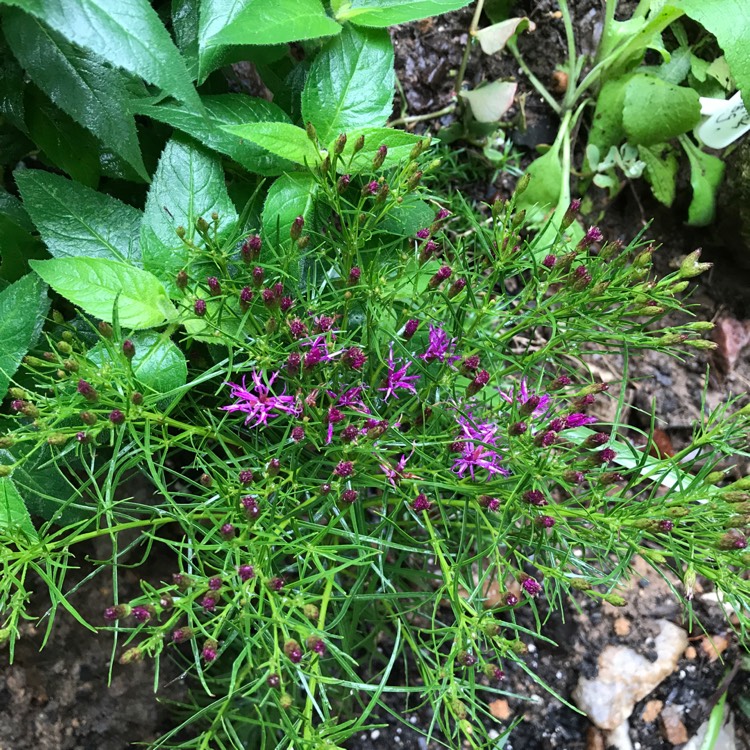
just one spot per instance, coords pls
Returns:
(571, 93)
(535, 82)
(467, 50)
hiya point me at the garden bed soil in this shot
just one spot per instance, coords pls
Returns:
(58, 699)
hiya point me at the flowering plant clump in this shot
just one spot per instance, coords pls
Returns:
(354, 427)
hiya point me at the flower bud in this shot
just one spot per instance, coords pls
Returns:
(295, 232)
(382, 152)
(181, 280)
(690, 267)
(293, 651)
(343, 183)
(199, 307)
(105, 329)
(128, 349)
(87, 391)
(359, 144)
(571, 213)
(522, 184)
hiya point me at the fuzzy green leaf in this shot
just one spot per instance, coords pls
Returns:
(126, 33)
(728, 21)
(23, 306)
(280, 138)
(655, 111)
(158, 365)
(225, 110)
(77, 221)
(94, 284)
(350, 83)
(706, 172)
(606, 128)
(78, 82)
(233, 22)
(188, 185)
(14, 515)
(661, 171)
(382, 13)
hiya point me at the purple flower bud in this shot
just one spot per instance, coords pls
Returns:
(556, 425)
(208, 603)
(421, 503)
(251, 248)
(293, 362)
(141, 614)
(666, 525)
(442, 213)
(349, 496)
(518, 428)
(547, 521)
(285, 304)
(382, 152)
(214, 583)
(570, 214)
(227, 531)
(116, 416)
(325, 489)
(531, 586)
(355, 274)
(427, 250)
(245, 476)
(200, 307)
(298, 434)
(295, 230)
(581, 278)
(606, 456)
(466, 658)
(246, 297)
(258, 275)
(443, 273)
(355, 358)
(577, 419)
(545, 439)
(574, 477)
(268, 297)
(535, 497)
(593, 235)
(246, 572)
(510, 600)
(530, 405)
(491, 503)
(250, 506)
(273, 467)
(549, 261)
(297, 328)
(87, 391)
(213, 286)
(128, 348)
(456, 288)
(595, 440)
(559, 382)
(410, 328)
(181, 635)
(423, 234)
(276, 584)
(273, 680)
(82, 437)
(111, 614)
(350, 433)
(343, 183)
(316, 645)
(293, 652)
(209, 651)
(344, 468)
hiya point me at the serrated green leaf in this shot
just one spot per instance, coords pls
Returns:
(661, 171)
(78, 82)
(655, 111)
(74, 220)
(235, 22)
(11, 89)
(188, 185)
(14, 516)
(706, 172)
(23, 306)
(185, 24)
(350, 83)
(158, 365)
(126, 33)
(406, 219)
(17, 243)
(399, 144)
(64, 142)
(381, 13)
(292, 195)
(222, 110)
(728, 21)
(280, 138)
(94, 284)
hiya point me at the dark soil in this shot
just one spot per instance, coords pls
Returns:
(58, 699)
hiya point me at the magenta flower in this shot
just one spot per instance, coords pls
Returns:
(576, 419)
(394, 474)
(397, 378)
(475, 457)
(440, 346)
(318, 351)
(522, 395)
(258, 402)
(483, 432)
(350, 399)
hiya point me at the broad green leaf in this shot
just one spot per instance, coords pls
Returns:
(280, 138)
(77, 221)
(158, 365)
(606, 127)
(78, 82)
(126, 33)
(383, 13)
(235, 22)
(185, 27)
(14, 516)
(64, 142)
(23, 306)
(94, 284)
(544, 189)
(399, 144)
(706, 172)
(292, 195)
(655, 111)
(222, 110)
(350, 83)
(493, 38)
(11, 89)
(188, 185)
(728, 21)
(406, 219)
(661, 171)
(17, 243)
(45, 490)
(489, 103)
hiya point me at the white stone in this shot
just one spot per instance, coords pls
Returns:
(625, 677)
